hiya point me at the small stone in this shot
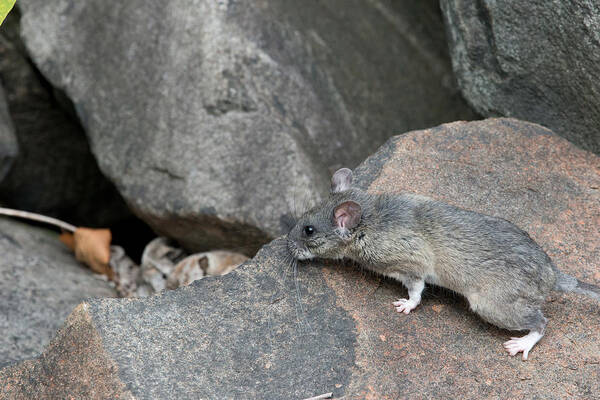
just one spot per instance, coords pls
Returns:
(437, 308)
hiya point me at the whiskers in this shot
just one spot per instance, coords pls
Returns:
(290, 264)
(301, 200)
(300, 316)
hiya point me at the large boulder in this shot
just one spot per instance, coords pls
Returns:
(8, 142)
(211, 117)
(55, 172)
(270, 330)
(537, 60)
(41, 283)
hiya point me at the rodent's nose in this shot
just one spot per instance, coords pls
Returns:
(294, 247)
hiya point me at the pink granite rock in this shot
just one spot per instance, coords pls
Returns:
(264, 331)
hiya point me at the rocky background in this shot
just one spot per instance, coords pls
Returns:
(215, 123)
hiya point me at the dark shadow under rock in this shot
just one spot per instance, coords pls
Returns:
(55, 172)
(8, 141)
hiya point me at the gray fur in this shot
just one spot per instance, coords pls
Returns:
(504, 275)
(567, 283)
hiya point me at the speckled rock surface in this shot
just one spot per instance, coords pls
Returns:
(248, 334)
(265, 331)
(535, 179)
(208, 115)
(40, 284)
(538, 60)
(8, 141)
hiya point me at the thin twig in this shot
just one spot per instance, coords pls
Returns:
(321, 396)
(37, 217)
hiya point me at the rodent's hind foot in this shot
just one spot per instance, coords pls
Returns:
(405, 305)
(523, 344)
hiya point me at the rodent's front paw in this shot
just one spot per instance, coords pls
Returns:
(405, 305)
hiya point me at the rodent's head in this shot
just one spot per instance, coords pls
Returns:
(325, 230)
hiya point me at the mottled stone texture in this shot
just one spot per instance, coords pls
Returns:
(537, 60)
(521, 172)
(8, 142)
(269, 331)
(250, 334)
(41, 283)
(209, 116)
(74, 366)
(55, 172)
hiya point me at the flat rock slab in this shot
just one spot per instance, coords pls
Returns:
(40, 284)
(268, 330)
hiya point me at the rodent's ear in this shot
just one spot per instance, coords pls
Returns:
(341, 180)
(347, 215)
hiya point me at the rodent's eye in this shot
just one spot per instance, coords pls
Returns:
(309, 230)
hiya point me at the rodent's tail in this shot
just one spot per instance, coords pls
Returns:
(568, 283)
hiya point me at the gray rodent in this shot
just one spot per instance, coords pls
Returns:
(504, 275)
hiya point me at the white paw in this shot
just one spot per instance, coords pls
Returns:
(405, 305)
(523, 344)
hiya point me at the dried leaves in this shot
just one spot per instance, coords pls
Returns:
(91, 247)
(197, 266)
(163, 264)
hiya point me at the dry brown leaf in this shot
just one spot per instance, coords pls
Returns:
(91, 247)
(68, 239)
(197, 266)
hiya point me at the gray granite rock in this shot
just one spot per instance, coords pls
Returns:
(210, 115)
(248, 334)
(536, 60)
(54, 173)
(269, 331)
(8, 142)
(41, 283)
